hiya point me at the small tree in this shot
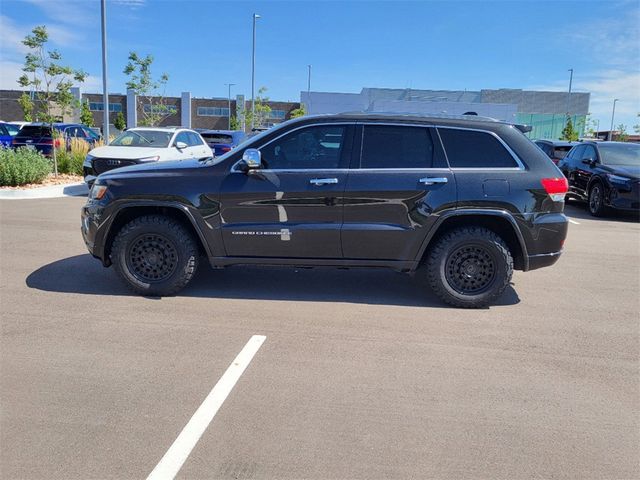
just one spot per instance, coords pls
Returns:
(152, 91)
(234, 123)
(298, 112)
(26, 104)
(50, 80)
(568, 132)
(261, 110)
(623, 136)
(86, 117)
(636, 128)
(119, 122)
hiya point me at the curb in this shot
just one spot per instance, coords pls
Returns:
(55, 191)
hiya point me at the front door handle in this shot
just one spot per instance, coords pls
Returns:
(323, 181)
(433, 180)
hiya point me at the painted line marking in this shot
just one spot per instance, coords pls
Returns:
(574, 222)
(170, 464)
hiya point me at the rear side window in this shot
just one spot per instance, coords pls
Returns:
(385, 146)
(472, 149)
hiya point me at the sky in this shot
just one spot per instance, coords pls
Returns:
(471, 45)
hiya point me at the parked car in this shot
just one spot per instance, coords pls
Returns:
(7, 132)
(39, 136)
(222, 141)
(555, 149)
(144, 145)
(462, 202)
(605, 174)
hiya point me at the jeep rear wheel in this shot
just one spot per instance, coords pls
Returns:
(155, 255)
(469, 267)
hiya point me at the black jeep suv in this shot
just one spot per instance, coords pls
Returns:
(462, 201)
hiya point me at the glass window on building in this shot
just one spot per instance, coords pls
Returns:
(99, 107)
(277, 114)
(161, 109)
(212, 112)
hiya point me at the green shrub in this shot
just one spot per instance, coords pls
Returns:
(22, 166)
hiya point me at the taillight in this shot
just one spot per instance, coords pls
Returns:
(226, 149)
(57, 142)
(556, 188)
(15, 141)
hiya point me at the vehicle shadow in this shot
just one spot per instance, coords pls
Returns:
(578, 210)
(82, 274)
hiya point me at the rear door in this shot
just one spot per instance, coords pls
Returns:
(292, 206)
(398, 184)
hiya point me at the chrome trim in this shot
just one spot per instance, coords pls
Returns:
(323, 181)
(433, 180)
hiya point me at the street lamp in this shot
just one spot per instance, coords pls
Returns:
(569, 95)
(105, 92)
(613, 113)
(253, 70)
(229, 105)
(309, 81)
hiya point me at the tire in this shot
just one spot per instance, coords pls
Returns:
(155, 255)
(469, 267)
(595, 203)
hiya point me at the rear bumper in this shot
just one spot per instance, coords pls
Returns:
(543, 260)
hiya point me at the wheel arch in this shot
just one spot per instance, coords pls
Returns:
(499, 222)
(126, 213)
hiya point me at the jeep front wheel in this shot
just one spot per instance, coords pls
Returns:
(469, 267)
(155, 255)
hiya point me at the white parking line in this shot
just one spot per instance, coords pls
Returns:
(574, 222)
(172, 461)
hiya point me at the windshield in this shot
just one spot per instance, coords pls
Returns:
(143, 138)
(627, 154)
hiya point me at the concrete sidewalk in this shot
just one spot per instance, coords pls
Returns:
(54, 191)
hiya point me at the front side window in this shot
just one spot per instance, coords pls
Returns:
(474, 149)
(318, 147)
(589, 153)
(143, 138)
(181, 137)
(387, 146)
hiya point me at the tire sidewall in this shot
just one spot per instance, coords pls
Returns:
(600, 210)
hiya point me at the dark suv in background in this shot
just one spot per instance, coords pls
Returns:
(462, 202)
(555, 149)
(39, 136)
(604, 174)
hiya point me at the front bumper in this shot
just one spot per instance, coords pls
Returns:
(90, 220)
(625, 199)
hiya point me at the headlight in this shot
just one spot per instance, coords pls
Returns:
(618, 179)
(87, 161)
(97, 192)
(149, 159)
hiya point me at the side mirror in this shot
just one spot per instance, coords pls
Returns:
(181, 145)
(251, 159)
(589, 161)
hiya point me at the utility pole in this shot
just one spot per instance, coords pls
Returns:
(569, 95)
(229, 104)
(105, 91)
(253, 71)
(309, 81)
(613, 114)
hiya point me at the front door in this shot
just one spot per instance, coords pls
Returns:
(291, 206)
(397, 185)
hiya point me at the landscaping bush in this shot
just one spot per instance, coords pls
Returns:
(22, 166)
(70, 161)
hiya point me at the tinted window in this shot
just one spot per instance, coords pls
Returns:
(12, 129)
(561, 152)
(194, 139)
(386, 146)
(3, 131)
(589, 152)
(35, 131)
(544, 147)
(215, 138)
(313, 147)
(471, 149)
(576, 153)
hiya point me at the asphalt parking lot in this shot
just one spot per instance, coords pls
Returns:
(363, 374)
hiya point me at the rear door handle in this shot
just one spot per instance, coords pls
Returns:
(433, 180)
(323, 181)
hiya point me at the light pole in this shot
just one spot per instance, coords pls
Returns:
(309, 81)
(229, 104)
(253, 70)
(105, 93)
(569, 95)
(597, 128)
(613, 114)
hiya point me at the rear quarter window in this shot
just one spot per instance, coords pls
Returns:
(473, 149)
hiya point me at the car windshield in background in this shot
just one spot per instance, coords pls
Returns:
(620, 154)
(143, 138)
(561, 152)
(217, 138)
